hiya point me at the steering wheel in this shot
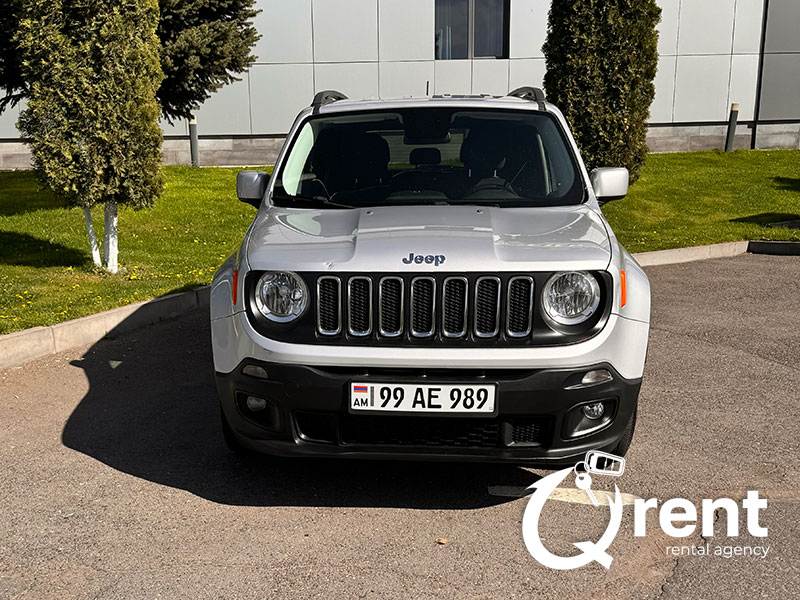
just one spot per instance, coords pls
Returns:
(492, 184)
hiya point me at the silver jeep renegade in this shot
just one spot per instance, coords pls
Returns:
(430, 279)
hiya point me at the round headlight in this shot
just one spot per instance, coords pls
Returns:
(281, 296)
(571, 298)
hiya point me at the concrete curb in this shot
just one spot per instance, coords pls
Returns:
(21, 346)
(681, 255)
(32, 343)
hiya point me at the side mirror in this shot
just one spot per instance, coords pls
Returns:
(251, 186)
(609, 183)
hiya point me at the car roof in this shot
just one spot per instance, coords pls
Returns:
(444, 101)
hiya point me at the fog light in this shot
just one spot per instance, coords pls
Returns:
(596, 376)
(595, 410)
(256, 404)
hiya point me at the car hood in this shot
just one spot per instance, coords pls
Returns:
(469, 238)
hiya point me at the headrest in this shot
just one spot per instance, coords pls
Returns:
(425, 156)
(484, 148)
(367, 157)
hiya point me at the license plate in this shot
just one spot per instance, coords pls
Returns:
(422, 398)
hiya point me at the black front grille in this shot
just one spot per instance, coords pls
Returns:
(449, 309)
(419, 431)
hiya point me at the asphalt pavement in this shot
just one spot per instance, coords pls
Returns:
(115, 483)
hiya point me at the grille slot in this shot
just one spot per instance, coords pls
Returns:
(519, 307)
(359, 306)
(454, 307)
(390, 306)
(419, 431)
(530, 432)
(487, 307)
(329, 305)
(423, 306)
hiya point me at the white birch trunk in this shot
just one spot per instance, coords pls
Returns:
(110, 237)
(87, 214)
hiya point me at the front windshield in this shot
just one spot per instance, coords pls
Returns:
(429, 156)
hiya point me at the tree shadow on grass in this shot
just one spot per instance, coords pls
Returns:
(767, 219)
(152, 411)
(791, 184)
(21, 193)
(21, 249)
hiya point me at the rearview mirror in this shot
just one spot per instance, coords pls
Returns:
(609, 183)
(251, 186)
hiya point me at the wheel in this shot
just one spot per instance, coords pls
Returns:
(625, 442)
(233, 444)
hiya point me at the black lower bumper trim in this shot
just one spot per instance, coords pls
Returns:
(308, 414)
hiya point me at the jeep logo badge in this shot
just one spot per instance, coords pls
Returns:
(430, 259)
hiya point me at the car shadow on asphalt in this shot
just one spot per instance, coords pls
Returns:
(152, 412)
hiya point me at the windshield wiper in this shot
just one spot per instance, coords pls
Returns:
(313, 202)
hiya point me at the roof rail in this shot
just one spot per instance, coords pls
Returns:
(533, 94)
(326, 97)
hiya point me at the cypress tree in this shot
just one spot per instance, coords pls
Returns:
(92, 69)
(601, 58)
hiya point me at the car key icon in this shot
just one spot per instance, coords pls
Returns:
(597, 463)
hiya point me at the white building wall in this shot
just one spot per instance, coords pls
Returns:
(8, 123)
(385, 48)
(711, 48)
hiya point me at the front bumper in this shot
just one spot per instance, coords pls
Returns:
(307, 414)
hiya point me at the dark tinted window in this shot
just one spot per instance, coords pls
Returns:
(452, 29)
(491, 28)
(472, 29)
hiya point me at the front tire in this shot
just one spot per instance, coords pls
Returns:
(233, 444)
(627, 436)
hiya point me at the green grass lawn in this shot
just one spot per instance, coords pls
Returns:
(46, 272)
(698, 198)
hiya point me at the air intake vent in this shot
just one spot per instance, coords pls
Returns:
(359, 307)
(519, 308)
(390, 299)
(329, 305)
(454, 306)
(487, 307)
(423, 305)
